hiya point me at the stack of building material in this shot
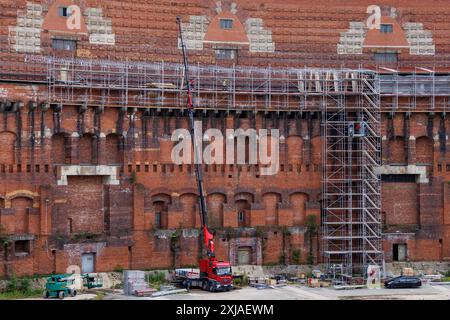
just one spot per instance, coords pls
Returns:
(253, 281)
(134, 283)
(168, 292)
(407, 272)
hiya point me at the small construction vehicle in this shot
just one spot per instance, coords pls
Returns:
(212, 274)
(92, 281)
(63, 285)
(60, 286)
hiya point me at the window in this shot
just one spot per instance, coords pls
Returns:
(222, 271)
(396, 178)
(62, 44)
(226, 23)
(69, 225)
(386, 28)
(399, 252)
(241, 216)
(158, 223)
(22, 247)
(225, 54)
(63, 12)
(386, 57)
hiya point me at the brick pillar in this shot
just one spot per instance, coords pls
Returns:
(307, 150)
(446, 196)
(74, 148)
(138, 207)
(390, 135)
(384, 150)
(411, 142)
(101, 156)
(406, 133)
(46, 203)
(442, 138)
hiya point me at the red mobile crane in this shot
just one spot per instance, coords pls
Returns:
(213, 274)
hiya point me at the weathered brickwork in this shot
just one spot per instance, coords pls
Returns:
(91, 179)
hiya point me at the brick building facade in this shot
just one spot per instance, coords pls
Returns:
(88, 171)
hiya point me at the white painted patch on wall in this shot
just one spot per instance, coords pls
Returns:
(351, 41)
(194, 32)
(3, 93)
(259, 37)
(420, 40)
(26, 35)
(99, 27)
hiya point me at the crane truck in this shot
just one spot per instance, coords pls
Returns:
(212, 274)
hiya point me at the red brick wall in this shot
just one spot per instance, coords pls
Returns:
(85, 204)
(7, 140)
(399, 203)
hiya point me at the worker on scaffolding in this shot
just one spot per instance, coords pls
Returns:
(357, 129)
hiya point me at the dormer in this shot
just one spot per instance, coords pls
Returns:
(226, 28)
(65, 18)
(65, 25)
(387, 41)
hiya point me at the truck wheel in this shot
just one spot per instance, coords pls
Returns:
(211, 287)
(61, 295)
(46, 294)
(73, 293)
(205, 286)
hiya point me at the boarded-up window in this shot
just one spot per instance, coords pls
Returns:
(386, 57)
(20, 206)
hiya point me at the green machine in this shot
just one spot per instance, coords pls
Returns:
(63, 285)
(60, 286)
(92, 281)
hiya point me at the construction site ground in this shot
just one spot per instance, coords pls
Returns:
(294, 292)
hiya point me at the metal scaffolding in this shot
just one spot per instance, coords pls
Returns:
(160, 85)
(348, 98)
(351, 217)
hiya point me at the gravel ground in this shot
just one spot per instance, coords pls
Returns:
(293, 292)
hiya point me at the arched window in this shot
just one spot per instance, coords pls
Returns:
(243, 202)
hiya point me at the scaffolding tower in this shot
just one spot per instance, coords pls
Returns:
(351, 218)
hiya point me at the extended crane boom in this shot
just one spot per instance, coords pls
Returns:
(213, 274)
(207, 236)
